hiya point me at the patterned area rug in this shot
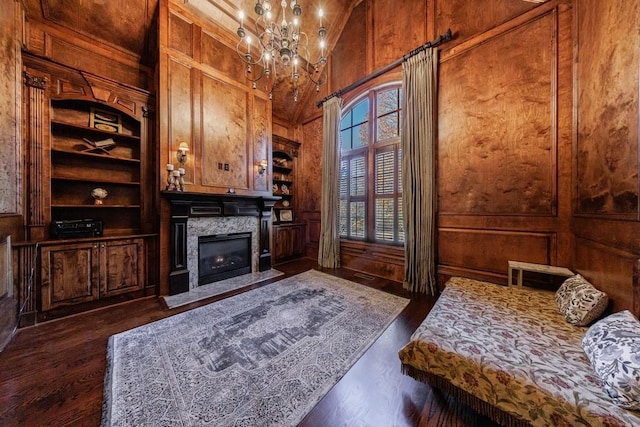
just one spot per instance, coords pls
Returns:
(261, 358)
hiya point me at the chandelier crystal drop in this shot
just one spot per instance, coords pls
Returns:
(279, 42)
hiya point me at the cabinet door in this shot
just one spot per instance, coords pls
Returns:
(69, 274)
(282, 242)
(122, 266)
(298, 242)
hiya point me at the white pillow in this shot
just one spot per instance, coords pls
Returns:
(613, 348)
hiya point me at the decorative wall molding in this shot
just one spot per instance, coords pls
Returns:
(37, 82)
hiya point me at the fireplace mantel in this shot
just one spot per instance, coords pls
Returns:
(186, 204)
(209, 204)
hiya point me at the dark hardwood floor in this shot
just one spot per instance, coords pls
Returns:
(52, 374)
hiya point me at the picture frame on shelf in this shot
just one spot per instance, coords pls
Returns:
(286, 215)
(105, 120)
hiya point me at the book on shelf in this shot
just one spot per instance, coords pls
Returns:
(105, 143)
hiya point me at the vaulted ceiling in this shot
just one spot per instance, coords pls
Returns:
(130, 27)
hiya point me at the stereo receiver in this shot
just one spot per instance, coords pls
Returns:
(76, 228)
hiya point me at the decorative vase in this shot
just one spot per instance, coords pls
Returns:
(98, 195)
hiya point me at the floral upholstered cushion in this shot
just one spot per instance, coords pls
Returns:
(579, 302)
(510, 347)
(613, 347)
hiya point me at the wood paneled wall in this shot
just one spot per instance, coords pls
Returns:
(206, 101)
(11, 155)
(115, 39)
(504, 141)
(10, 101)
(538, 132)
(606, 219)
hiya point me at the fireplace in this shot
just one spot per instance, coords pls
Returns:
(195, 215)
(223, 256)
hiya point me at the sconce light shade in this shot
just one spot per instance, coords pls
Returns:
(262, 167)
(181, 154)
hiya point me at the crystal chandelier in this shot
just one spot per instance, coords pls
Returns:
(280, 44)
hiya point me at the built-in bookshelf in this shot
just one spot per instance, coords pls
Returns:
(89, 161)
(288, 232)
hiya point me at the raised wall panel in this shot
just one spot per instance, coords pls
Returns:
(180, 113)
(489, 250)
(81, 58)
(224, 134)
(349, 57)
(466, 19)
(381, 260)
(497, 132)
(607, 42)
(392, 38)
(180, 34)
(610, 269)
(121, 22)
(221, 57)
(309, 175)
(260, 141)
(607, 221)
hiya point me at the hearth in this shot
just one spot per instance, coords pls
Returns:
(223, 256)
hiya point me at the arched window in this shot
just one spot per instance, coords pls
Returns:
(370, 168)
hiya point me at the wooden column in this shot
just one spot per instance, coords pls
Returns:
(266, 206)
(37, 147)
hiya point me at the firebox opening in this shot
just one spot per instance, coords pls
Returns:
(223, 256)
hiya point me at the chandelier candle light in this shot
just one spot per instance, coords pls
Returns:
(280, 42)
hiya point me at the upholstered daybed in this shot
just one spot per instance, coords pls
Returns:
(508, 352)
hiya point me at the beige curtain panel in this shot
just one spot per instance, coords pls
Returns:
(419, 77)
(329, 250)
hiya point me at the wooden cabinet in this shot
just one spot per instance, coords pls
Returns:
(85, 271)
(285, 153)
(289, 241)
(86, 137)
(289, 237)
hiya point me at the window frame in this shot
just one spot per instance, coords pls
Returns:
(370, 152)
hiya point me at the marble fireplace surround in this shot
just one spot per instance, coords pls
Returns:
(203, 214)
(212, 226)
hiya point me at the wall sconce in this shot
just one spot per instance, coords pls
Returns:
(262, 167)
(181, 154)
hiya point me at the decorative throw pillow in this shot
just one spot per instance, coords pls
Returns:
(613, 348)
(579, 302)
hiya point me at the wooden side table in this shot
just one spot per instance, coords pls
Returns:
(521, 267)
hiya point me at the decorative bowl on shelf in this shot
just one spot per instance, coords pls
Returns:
(98, 194)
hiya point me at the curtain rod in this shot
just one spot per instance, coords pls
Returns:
(441, 39)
